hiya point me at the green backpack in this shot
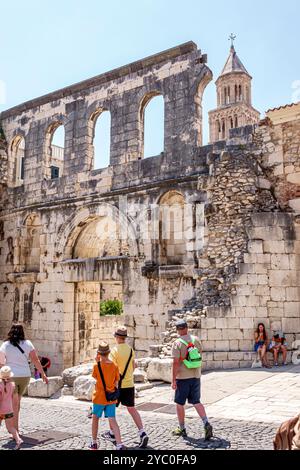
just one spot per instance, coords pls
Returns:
(193, 359)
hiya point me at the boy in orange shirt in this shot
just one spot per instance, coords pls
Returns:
(100, 403)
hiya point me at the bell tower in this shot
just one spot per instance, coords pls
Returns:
(234, 99)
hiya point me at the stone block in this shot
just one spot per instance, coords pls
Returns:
(222, 346)
(291, 325)
(83, 387)
(235, 356)
(71, 374)
(139, 376)
(234, 345)
(220, 356)
(233, 334)
(278, 294)
(214, 334)
(293, 294)
(231, 364)
(280, 278)
(160, 369)
(292, 309)
(41, 390)
(255, 246)
(280, 261)
(208, 323)
(246, 323)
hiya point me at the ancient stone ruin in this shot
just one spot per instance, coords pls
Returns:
(71, 235)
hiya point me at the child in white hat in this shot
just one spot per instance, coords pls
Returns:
(6, 403)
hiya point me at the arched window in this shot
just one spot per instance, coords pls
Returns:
(225, 95)
(236, 93)
(223, 130)
(18, 155)
(30, 244)
(152, 125)
(240, 93)
(228, 95)
(236, 121)
(231, 123)
(101, 139)
(56, 150)
(218, 129)
(172, 229)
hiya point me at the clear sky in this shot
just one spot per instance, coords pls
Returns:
(54, 43)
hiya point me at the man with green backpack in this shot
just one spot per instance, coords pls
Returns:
(187, 362)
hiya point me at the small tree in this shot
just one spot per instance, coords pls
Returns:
(111, 307)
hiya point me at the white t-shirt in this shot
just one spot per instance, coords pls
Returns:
(15, 359)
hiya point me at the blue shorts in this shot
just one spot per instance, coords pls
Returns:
(258, 345)
(109, 410)
(188, 389)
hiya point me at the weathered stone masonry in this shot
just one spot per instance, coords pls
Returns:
(55, 252)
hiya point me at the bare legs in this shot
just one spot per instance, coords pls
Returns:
(16, 410)
(276, 352)
(262, 352)
(12, 430)
(113, 426)
(135, 416)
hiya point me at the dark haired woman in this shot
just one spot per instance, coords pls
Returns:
(17, 351)
(261, 344)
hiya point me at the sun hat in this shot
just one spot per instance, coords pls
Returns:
(6, 373)
(121, 331)
(103, 348)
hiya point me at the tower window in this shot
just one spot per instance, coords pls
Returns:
(54, 172)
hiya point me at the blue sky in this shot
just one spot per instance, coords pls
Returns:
(51, 44)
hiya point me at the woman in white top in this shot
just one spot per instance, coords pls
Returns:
(16, 351)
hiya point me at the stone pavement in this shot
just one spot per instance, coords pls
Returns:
(244, 406)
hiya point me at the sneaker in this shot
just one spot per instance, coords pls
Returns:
(122, 447)
(179, 432)
(208, 431)
(276, 364)
(143, 440)
(108, 436)
(93, 446)
(90, 412)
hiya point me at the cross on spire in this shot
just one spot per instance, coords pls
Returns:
(232, 37)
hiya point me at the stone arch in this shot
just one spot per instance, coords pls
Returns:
(202, 81)
(70, 231)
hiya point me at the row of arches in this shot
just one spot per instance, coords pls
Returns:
(234, 94)
(152, 137)
(222, 125)
(102, 234)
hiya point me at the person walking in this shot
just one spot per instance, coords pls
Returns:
(17, 350)
(123, 356)
(6, 403)
(186, 382)
(106, 374)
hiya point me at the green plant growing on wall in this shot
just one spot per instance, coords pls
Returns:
(111, 307)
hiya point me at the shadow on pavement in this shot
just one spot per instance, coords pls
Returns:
(213, 443)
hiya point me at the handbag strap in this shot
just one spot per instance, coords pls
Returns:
(125, 370)
(19, 348)
(101, 375)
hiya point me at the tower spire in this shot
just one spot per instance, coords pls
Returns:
(232, 38)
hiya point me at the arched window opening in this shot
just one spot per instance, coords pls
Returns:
(101, 139)
(153, 124)
(56, 151)
(18, 157)
(240, 93)
(172, 229)
(231, 123)
(228, 95)
(236, 93)
(30, 244)
(223, 130)
(236, 121)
